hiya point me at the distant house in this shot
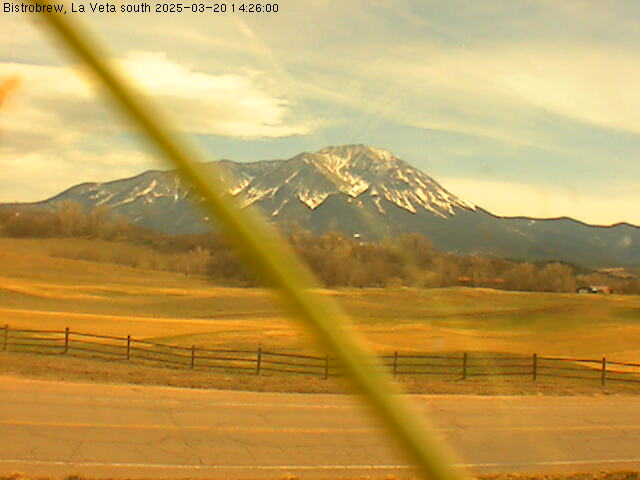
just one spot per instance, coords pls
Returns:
(604, 289)
(601, 289)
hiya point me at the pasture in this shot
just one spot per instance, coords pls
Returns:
(41, 290)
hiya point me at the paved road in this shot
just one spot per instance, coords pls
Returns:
(56, 429)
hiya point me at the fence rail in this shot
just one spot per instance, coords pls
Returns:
(455, 366)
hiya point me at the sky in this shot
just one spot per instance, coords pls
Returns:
(523, 107)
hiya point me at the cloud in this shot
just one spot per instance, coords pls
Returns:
(605, 205)
(53, 109)
(536, 92)
(592, 84)
(39, 175)
(56, 131)
(231, 104)
(58, 108)
(586, 83)
(516, 92)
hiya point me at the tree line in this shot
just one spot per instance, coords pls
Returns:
(337, 260)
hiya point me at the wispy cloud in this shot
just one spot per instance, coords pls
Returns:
(203, 103)
(606, 205)
(57, 124)
(39, 175)
(494, 90)
(520, 93)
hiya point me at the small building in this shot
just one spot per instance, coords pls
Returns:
(601, 289)
(604, 289)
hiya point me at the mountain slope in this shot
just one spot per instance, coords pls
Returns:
(365, 191)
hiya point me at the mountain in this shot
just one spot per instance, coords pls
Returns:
(364, 191)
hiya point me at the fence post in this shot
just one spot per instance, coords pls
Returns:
(128, 347)
(326, 367)
(193, 357)
(603, 376)
(66, 340)
(6, 336)
(259, 361)
(395, 364)
(535, 367)
(464, 366)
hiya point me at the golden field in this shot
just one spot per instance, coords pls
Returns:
(41, 290)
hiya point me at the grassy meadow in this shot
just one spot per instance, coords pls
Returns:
(40, 289)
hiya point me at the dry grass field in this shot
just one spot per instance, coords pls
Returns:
(41, 290)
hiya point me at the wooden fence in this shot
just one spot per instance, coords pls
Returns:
(453, 366)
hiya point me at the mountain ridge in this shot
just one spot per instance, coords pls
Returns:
(364, 191)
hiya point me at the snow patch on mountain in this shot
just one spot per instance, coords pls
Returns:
(356, 169)
(376, 201)
(253, 195)
(292, 176)
(312, 199)
(105, 198)
(277, 211)
(239, 187)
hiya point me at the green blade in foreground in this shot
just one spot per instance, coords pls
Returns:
(267, 256)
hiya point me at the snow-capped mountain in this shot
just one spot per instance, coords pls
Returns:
(359, 190)
(355, 171)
